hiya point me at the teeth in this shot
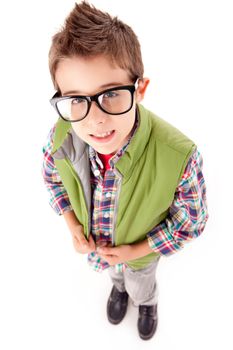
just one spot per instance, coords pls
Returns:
(104, 134)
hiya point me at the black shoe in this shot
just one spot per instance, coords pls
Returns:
(147, 321)
(117, 305)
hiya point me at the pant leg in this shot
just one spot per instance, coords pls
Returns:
(141, 284)
(117, 278)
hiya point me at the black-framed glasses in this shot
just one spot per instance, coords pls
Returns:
(114, 101)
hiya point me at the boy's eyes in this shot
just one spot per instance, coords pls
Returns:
(78, 100)
(110, 94)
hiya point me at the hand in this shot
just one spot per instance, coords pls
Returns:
(81, 244)
(117, 255)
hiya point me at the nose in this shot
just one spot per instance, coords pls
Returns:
(95, 114)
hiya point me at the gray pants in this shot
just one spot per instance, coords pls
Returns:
(139, 284)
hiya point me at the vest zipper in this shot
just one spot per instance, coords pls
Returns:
(116, 207)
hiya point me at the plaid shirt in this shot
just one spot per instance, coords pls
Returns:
(187, 214)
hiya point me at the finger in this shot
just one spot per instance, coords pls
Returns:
(76, 244)
(91, 242)
(106, 250)
(81, 239)
(90, 239)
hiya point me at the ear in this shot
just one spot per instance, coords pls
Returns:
(141, 89)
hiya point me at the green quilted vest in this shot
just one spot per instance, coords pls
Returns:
(151, 169)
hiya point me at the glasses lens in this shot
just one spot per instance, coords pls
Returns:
(73, 108)
(116, 101)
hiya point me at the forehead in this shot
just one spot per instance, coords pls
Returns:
(89, 75)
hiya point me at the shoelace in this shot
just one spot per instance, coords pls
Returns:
(146, 310)
(119, 295)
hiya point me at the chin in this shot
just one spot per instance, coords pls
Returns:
(105, 151)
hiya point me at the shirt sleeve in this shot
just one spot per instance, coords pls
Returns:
(58, 197)
(188, 212)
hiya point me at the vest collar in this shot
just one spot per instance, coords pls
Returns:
(67, 143)
(137, 144)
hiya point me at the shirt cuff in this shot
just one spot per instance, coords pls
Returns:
(161, 241)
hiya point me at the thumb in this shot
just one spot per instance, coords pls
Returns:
(105, 250)
(91, 241)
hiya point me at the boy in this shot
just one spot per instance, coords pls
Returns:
(129, 185)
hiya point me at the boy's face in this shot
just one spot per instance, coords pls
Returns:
(88, 76)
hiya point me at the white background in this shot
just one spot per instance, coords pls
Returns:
(49, 297)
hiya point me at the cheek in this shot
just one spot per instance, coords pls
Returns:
(78, 129)
(129, 121)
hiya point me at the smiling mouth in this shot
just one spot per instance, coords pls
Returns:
(105, 136)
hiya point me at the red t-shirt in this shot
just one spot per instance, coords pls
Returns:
(105, 160)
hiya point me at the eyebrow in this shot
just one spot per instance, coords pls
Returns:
(104, 86)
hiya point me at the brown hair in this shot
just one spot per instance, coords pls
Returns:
(89, 32)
